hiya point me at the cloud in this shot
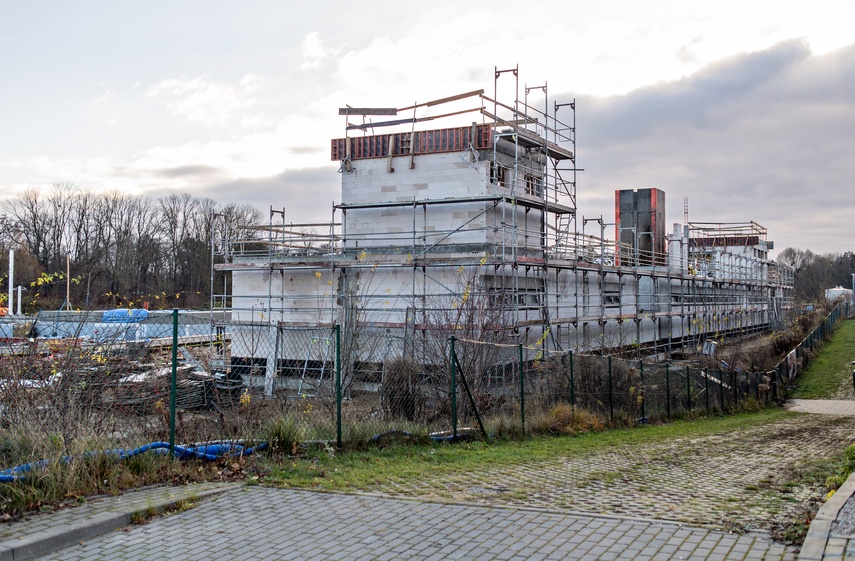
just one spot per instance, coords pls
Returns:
(206, 102)
(104, 97)
(301, 150)
(764, 136)
(194, 170)
(699, 101)
(314, 52)
(306, 194)
(759, 136)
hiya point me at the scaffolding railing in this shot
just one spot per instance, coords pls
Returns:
(522, 222)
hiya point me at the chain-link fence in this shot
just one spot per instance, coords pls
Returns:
(290, 375)
(94, 382)
(788, 369)
(626, 391)
(124, 381)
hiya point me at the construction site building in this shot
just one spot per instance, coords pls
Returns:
(477, 223)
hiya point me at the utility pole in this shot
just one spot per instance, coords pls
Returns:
(11, 280)
(67, 304)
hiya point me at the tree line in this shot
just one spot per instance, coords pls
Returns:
(123, 249)
(127, 249)
(815, 273)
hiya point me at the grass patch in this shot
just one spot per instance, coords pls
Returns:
(150, 513)
(831, 370)
(63, 484)
(844, 470)
(380, 467)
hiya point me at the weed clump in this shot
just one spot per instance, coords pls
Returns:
(565, 419)
(283, 435)
(844, 471)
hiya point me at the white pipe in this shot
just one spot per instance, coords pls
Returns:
(11, 279)
(19, 300)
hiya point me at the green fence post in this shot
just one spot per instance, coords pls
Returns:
(757, 379)
(774, 374)
(721, 390)
(572, 385)
(667, 392)
(453, 389)
(611, 397)
(522, 390)
(735, 391)
(706, 376)
(747, 391)
(173, 388)
(688, 390)
(338, 386)
(641, 391)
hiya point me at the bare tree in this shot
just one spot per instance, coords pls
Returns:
(796, 258)
(29, 216)
(123, 247)
(176, 213)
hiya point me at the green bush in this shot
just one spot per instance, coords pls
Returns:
(844, 471)
(283, 434)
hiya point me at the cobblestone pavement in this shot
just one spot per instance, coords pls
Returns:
(274, 524)
(615, 504)
(743, 480)
(841, 534)
(45, 532)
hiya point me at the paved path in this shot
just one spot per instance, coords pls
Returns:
(841, 535)
(613, 504)
(751, 478)
(42, 533)
(264, 524)
(830, 535)
(832, 532)
(836, 407)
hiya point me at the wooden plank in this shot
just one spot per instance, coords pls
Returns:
(411, 120)
(443, 100)
(367, 111)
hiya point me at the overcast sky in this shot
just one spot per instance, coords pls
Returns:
(745, 107)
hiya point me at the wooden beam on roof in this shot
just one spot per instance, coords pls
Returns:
(411, 120)
(443, 100)
(367, 111)
(380, 124)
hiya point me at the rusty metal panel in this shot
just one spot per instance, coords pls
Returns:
(424, 142)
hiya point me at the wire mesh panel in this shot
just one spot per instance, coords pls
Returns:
(594, 385)
(385, 390)
(655, 392)
(287, 381)
(488, 387)
(103, 384)
(76, 383)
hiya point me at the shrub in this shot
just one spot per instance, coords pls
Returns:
(283, 434)
(844, 471)
(399, 391)
(565, 419)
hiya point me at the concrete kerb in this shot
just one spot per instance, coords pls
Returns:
(45, 541)
(816, 540)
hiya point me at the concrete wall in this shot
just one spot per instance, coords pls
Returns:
(435, 177)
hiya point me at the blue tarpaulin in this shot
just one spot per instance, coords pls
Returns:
(123, 315)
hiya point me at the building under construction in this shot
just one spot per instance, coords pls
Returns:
(471, 228)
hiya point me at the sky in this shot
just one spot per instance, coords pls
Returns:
(746, 108)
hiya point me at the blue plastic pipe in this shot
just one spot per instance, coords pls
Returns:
(209, 452)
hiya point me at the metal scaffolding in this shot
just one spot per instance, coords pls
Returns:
(494, 200)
